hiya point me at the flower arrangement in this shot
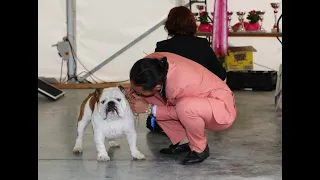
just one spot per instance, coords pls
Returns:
(253, 16)
(203, 17)
(205, 25)
(252, 25)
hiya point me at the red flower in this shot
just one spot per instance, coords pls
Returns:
(252, 12)
(203, 13)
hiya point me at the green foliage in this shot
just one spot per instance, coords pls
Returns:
(253, 16)
(204, 17)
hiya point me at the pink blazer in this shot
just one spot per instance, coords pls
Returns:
(187, 78)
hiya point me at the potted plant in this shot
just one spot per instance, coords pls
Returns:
(252, 25)
(253, 18)
(205, 25)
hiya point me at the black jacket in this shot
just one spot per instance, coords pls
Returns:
(196, 49)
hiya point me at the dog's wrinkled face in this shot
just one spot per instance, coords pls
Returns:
(112, 103)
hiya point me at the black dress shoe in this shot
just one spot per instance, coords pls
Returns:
(176, 149)
(195, 157)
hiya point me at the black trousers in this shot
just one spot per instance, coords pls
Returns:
(156, 128)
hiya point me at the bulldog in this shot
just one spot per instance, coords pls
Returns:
(111, 117)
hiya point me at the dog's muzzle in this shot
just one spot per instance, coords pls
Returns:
(111, 108)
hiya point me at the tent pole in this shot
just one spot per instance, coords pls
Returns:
(74, 21)
(72, 66)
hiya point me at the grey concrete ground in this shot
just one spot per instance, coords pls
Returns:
(251, 149)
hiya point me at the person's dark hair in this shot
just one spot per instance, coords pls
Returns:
(180, 21)
(148, 73)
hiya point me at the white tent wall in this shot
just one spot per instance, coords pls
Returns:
(104, 27)
(51, 29)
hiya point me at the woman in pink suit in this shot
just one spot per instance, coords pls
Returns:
(185, 98)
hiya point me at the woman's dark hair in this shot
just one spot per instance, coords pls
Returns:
(180, 21)
(148, 73)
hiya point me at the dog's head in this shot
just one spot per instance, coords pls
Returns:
(111, 102)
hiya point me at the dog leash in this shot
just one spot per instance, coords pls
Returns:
(136, 120)
(136, 115)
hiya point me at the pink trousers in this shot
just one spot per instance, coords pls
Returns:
(196, 114)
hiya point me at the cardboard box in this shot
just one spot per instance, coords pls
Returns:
(239, 59)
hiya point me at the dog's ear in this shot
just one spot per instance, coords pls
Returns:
(97, 94)
(122, 89)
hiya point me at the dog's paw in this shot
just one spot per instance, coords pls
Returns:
(103, 157)
(77, 150)
(137, 155)
(113, 144)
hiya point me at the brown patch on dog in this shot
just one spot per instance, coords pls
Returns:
(83, 105)
(95, 97)
(98, 94)
(92, 102)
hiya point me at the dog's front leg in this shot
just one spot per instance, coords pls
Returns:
(132, 140)
(99, 139)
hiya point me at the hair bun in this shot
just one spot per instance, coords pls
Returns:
(164, 63)
(165, 67)
(163, 60)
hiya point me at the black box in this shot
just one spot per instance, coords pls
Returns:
(255, 80)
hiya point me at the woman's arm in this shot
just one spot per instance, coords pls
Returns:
(163, 112)
(214, 64)
(167, 112)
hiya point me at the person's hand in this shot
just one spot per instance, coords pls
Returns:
(139, 104)
(136, 96)
(131, 95)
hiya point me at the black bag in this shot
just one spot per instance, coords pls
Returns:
(156, 128)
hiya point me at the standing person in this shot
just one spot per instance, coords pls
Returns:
(185, 98)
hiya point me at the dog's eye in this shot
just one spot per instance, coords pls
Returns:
(118, 99)
(102, 102)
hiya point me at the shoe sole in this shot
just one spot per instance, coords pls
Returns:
(191, 163)
(174, 153)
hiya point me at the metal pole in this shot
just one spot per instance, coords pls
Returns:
(74, 13)
(70, 30)
(124, 49)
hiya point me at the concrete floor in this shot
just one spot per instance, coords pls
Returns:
(250, 149)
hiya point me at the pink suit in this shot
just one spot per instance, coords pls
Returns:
(196, 100)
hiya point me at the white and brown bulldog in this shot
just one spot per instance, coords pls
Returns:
(111, 117)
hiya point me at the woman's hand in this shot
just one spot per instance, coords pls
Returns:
(136, 96)
(131, 95)
(139, 104)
